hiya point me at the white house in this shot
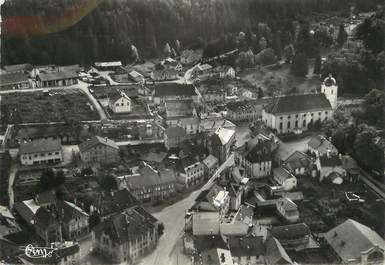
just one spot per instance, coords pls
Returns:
(284, 178)
(41, 152)
(288, 209)
(330, 166)
(189, 171)
(255, 157)
(120, 103)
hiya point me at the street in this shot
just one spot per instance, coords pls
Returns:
(173, 218)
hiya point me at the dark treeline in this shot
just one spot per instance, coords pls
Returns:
(109, 30)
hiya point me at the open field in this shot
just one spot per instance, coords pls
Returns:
(40, 107)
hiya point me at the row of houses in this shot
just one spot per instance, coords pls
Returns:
(126, 231)
(50, 151)
(25, 76)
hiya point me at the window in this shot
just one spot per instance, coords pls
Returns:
(288, 124)
(35, 155)
(326, 113)
(281, 117)
(296, 116)
(280, 125)
(312, 114)
(304, 123)
(117, 104)
(49, 154)
(296, 124)
(319, 113)
(56, 153)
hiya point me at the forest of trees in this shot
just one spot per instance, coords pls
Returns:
(109, 30)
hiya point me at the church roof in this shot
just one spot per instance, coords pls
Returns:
(298, 103)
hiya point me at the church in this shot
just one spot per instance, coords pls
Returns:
(295, 112)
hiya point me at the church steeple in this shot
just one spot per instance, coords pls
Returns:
(330, 89)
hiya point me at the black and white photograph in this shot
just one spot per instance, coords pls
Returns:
(192, 132)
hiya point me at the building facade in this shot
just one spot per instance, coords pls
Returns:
(120, 103)
(126, 236)
(297, 112)
(255, 157)
(41, 151)
(99, 150)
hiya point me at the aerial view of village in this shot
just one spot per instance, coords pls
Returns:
(192, 132)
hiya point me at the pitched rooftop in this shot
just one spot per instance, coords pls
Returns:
(94, 141)
(298, 103)
(174, 89)
(40, 146)
(351, 238)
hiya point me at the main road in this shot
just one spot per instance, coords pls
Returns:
(173, 218)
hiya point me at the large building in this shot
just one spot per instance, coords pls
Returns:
(174, 91)
(255, 157)
(355, 243)
(14, 81)
(149, 184)
(99, 150)
(299, 112)
(126, 236)
(221, 143)
(54, 79)
(290, 113)
(190, 172)
(41, 152)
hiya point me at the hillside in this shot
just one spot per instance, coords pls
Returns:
(83, 31)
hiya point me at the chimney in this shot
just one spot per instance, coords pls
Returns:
(105, 139)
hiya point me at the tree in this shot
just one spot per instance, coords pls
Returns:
(299, 67)
(317, 65)
(134, 54)
(262, 43)
(47, 179)
(167, 50)
(94, 220)
(366, 151)
(265, 57)
(288, 52)
(177, 46)
(342, 36)
(373, 107)
(372, 33)
(260, 92)
(160, 229)
(108, 183)
(246, 59)
(60, 178)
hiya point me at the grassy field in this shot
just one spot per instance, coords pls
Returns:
(40, 107)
